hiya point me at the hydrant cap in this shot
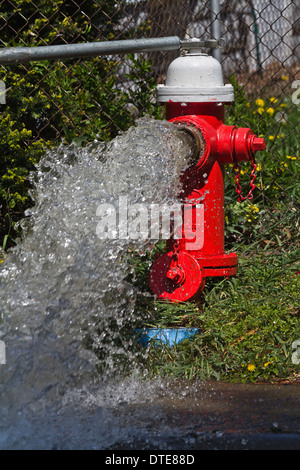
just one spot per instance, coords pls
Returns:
(195, 77)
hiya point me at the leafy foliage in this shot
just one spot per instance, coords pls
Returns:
(71, 100)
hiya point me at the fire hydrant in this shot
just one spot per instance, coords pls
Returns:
(195, 95)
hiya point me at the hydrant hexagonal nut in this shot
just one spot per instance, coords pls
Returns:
(258, 143)
(176, 274)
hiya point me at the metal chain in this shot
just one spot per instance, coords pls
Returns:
(176, 252)
(237, 176)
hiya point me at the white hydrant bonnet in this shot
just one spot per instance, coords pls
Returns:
(195, 77)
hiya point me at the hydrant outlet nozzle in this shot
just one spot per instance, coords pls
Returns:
(196, 138)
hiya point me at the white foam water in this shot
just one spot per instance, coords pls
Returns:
(65, 298)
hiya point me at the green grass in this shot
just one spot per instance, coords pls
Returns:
(246, 325)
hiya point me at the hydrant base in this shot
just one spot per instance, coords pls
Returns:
(195, 270)
(219, 265)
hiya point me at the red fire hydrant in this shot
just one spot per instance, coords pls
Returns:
(195, 95)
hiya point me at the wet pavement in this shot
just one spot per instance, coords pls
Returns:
(161, 415)
(216, 416)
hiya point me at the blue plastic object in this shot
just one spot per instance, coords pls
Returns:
(167, 336)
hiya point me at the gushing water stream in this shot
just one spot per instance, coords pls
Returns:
(62, 287)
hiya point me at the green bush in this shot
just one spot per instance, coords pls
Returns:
(49, 102)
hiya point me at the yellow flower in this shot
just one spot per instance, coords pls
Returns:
(291, 158)
(270, 111)
(251, 367)
(259, 102)
(271, 137)
(273, 99)
(284, 77)
(258, 167)
(260, 110)
(267, 363)
(283, 105)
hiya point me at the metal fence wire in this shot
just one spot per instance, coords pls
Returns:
(47, 102)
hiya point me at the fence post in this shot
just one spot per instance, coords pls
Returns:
(216, 27)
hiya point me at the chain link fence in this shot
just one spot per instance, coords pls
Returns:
(80, 100)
